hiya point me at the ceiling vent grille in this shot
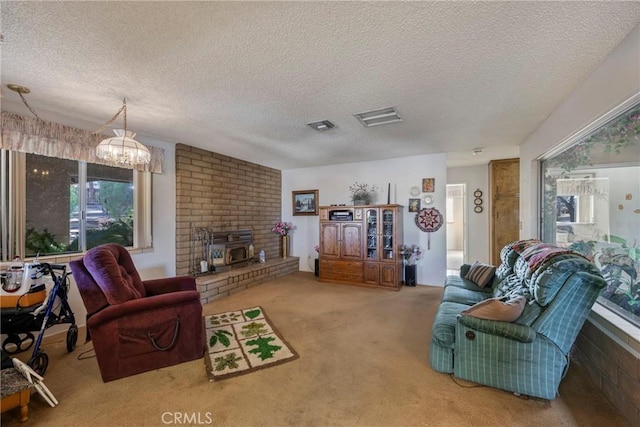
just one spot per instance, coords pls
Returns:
(379, 117)
(323, 125)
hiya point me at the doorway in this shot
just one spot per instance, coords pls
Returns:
(456, 227)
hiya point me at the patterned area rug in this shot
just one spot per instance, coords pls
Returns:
(243, 341)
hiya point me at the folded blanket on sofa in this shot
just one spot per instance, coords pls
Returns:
(537, 253)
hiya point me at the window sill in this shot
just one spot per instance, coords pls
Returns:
(66, 258)
(616, 325)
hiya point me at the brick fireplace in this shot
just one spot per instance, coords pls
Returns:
(224, 193)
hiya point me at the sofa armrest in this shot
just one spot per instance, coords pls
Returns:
(143, 307)
(509, 330)
(169, 284)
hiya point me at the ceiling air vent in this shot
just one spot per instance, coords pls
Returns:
(379, 117)
(323, 125)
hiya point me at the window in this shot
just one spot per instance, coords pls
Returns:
(109, 205)
(63, 206)
(575, 198)
(591, 204)
(48, 200)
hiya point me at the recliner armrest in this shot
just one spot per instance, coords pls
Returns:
(509, 330)
(169, 284)
(142, 307)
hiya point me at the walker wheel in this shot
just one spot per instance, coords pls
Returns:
(39, 363)
(72, 338)
(16, 343)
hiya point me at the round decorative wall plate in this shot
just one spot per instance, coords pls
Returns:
(477, 209)
(414, 191)
(477, 193)
(427, 200)
(429, 220)
(477, 201)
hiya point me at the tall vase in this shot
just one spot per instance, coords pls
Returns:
(285, 246)
(410, 274)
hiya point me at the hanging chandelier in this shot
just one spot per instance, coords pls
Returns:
(122, 148)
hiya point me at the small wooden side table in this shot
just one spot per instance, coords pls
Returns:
(15, 392)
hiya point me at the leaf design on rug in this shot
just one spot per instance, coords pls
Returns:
(265, 350)
(224, 318)
(220, 336)
(253, 329)
(252, 314)
(229, 361)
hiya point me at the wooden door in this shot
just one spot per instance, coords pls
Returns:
(329, 240)
(351, 241)
(504, 209)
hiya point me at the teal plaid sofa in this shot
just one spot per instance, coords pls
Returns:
(529, 356)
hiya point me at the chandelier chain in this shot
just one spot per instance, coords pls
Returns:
(115, 116)
(103, 127)
(29, 106)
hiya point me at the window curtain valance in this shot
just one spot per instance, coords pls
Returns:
(30, 135)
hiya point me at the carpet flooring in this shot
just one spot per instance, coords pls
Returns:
(364, 361)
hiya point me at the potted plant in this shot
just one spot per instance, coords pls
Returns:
(362, 194)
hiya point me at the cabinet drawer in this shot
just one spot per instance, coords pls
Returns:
(348, 271)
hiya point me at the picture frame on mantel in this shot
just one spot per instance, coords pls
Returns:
(305, 202)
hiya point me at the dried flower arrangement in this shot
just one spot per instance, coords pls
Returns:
(362, 194)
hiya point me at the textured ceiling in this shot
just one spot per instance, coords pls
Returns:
(244, 78)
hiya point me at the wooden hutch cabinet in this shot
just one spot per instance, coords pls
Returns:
(360, 245)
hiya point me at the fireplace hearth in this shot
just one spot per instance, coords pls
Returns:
(217, 251)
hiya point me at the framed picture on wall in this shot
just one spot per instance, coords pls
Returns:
(305, 202)
(428, 185)
(414, 205)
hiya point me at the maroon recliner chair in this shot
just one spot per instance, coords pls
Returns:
(137, 326)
